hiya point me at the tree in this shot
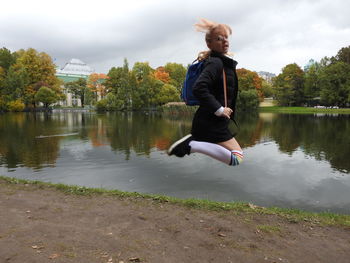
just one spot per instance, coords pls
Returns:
(177, 74)
(46, 96)
(144, 86)
(167, 93)
(161, 75)
(289, 86)
(266, 89)
(39, 68)
(96, 85)
(15, 83)
(343, 55)
(119, 84)
(250, 80)
(312, 82)
(248, 100)
(335, 84)
(79, 89)
(7, 59)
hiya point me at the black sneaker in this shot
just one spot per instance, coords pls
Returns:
(181, 147)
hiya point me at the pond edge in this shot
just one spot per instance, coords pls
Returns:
(292, 215)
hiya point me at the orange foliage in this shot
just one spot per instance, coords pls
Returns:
(161, 75)
(248, 79)
(95, 83)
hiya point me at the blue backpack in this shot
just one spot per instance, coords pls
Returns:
(192, 75)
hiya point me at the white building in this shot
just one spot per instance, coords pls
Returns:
(72, 71)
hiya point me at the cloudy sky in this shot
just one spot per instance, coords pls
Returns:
(267, 35)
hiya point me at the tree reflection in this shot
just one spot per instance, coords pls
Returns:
(323, 137)
(18, 145)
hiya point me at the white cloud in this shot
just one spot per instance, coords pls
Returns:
(267, 35)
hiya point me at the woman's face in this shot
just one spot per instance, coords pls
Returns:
(219, 41)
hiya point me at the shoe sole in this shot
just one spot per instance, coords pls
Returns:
(177, 143)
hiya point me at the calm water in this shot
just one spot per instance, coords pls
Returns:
(294, 161)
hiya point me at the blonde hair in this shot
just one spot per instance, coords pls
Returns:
(206, 26)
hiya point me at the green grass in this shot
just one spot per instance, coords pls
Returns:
(303, 110)
(292, 215)
(179, 110)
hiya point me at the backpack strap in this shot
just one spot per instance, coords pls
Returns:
(225, 89)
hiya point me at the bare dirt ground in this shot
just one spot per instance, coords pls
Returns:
(46, 225)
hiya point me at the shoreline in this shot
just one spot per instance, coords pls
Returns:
(43, 222)
(294, 215)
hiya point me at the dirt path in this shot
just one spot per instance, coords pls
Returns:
(46, 225)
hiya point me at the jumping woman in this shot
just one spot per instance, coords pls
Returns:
(210, 134)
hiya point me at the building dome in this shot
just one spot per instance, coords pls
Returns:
(76, 67)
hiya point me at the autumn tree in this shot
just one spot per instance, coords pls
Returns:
(250, 89)
(161, 75)
(250, 80)
(38, 67)
(96, 85)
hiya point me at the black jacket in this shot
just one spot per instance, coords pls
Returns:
(209, 88)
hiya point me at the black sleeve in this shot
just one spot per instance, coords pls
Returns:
(203, 87)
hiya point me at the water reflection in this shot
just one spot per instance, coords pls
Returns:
(291, 160)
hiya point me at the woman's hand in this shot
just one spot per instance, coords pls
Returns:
(227, 112)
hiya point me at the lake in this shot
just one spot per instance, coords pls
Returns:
(291, 160)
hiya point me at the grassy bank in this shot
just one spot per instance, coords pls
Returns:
(302, 110)
(293, 215)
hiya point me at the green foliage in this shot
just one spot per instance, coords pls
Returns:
(335, 84)
(177, 73)
(312, 82)
(46, 96)
(267, 89)
(24, 72)
(16, 105)
(248, 100)
(7, 59)
(343, 55)
(79, 89)
(289, 86)
(3, 104)
(303, 110)
(101, 105)
(15, 83)
(167, 93)
(119, 84)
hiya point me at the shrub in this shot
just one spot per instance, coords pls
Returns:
(248, 100)
(3, 104)
(16, 105)
(101, 105)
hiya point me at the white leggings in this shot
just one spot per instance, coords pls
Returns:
(217, 152)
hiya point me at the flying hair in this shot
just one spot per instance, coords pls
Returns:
(206, 26)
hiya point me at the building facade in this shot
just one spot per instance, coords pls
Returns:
(72, 71)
